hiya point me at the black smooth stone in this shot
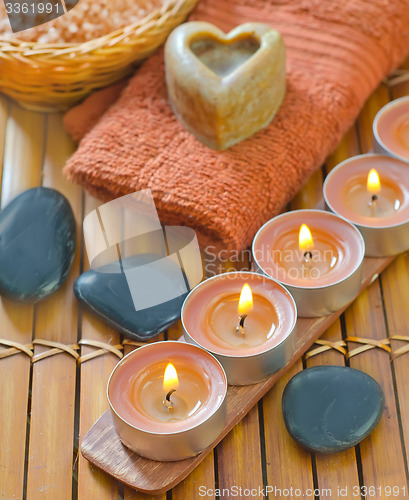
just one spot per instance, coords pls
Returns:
(106, 293)
(37, 244)
(331, 408)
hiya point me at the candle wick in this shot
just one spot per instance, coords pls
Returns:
(167, 402)
(307, 255)
(307, 263)
(372, 204)
(240, 327)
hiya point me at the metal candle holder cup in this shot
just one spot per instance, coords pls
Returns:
(328, 293)
(384, 236)
(168, 441)
(249, 365)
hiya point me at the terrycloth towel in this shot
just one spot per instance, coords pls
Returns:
(337, 53)
(80, 119)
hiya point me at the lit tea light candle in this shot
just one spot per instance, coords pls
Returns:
(372, 192)
(168, 400)
(391, 129)
(316, 255)
(246, 320)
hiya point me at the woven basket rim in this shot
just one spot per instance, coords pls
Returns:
(113, 38)
(47, 77)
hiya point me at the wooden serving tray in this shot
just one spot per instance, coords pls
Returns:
(102, 447)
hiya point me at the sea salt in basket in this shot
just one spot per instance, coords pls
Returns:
(51, 77)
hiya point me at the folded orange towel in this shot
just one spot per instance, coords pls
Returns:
(337, 53)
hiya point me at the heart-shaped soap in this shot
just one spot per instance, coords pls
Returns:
(225, 87)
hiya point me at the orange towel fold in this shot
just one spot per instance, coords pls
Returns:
(80, 119)
(337, 53)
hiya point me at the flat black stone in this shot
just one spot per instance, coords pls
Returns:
(37, 244)
(331, 408)
(105, 292)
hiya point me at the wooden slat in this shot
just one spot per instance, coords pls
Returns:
(311, 194)
(349, 146)
(24, 146)
(364, 123)
(92, 483)
(381, 452)
(395, 282)
(54, 378)
(202, 476)
(16, 319)
(288, 465)
(234, 451)
(382, 457)
(340, 469)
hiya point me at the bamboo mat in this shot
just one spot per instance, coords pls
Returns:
(49, 403)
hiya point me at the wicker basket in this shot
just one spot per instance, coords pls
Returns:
(51, 77)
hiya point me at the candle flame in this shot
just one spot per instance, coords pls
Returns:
(373, 183)
(170, 378)
(246, 300)
(305, 240)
